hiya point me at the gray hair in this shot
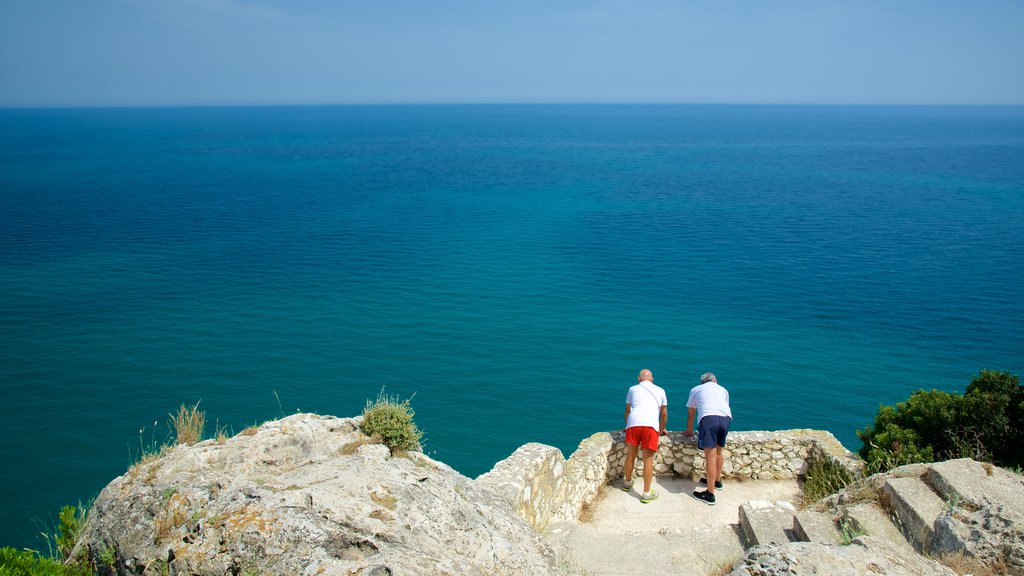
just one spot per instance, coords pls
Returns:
(708, 377)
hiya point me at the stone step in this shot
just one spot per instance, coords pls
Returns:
(957, 480)
(869, 518)
(766, 522)
(916, 506)
(811, 526)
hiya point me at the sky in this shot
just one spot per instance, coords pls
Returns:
(258, 52)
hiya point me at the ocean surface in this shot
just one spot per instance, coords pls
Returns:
(510, 268)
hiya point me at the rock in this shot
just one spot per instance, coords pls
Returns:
(869, 519)
(986, 516)
(916, 506)
(810, 526)
(865, 555)
(765, 522)
(306, 495)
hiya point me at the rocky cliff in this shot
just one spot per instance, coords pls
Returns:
(305, 495)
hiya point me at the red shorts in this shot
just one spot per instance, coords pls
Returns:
(642, 436)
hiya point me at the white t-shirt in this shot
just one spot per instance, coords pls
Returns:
(709, 399)
(645, 401)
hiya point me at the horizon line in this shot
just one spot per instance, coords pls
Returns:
(500, 103)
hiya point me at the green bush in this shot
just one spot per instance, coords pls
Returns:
(391, 421)
(986, 423)
(27, 563)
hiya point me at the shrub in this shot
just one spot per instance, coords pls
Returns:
(986, 423)
(28, 563)
(391, 420)
(72, 520)
(189, 424)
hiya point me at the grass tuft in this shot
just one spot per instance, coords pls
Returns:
(824, 478)
(189, 424)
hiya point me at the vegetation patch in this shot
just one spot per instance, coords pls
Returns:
(386, 500)
(392, 421)
(824, 477)
(985, 423)
(188, 424)
(971, 565)
(847, 533)
(351, 447)
(28, 563)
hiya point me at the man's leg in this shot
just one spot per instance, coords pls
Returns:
(713, 467)
(721, 462)
(648, 469)
(627, 468)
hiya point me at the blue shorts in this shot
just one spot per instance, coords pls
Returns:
(712, 430)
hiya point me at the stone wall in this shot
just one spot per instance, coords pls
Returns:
(544, 487)
(774, 455)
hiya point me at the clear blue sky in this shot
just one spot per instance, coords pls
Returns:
(187, 52)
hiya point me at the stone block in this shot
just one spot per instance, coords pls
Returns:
(916, 506)
(869, 518)
(811, 526)
(957, 479)
(765, 522)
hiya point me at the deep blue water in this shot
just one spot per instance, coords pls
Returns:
(511, 266)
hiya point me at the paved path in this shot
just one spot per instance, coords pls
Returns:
(674, 535)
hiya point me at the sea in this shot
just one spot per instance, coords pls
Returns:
(508, 269)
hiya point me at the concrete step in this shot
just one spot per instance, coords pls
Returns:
(766, 522)
(869, 518)
(916, 506)
(811, 526)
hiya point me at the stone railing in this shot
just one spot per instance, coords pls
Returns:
(544, 487)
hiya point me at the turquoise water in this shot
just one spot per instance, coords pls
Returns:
(511, 266)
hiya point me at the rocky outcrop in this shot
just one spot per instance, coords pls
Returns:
(305, 495)
(865, 555)
(957, 507)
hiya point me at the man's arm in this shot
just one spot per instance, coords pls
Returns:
(689, 422)
(664, 420)
(627, 417)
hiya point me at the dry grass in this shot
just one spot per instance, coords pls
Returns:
(351, 448)
(250, 431)
(386, 500)
(222, 434)
(188, 424)
(969, 565)
(718, 566)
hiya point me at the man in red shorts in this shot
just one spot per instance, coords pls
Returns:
(646, 416)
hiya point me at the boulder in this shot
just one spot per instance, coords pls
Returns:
(865, 555)
(310, 495)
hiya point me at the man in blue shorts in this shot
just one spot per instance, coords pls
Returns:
(711, 401)
(646, 416)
